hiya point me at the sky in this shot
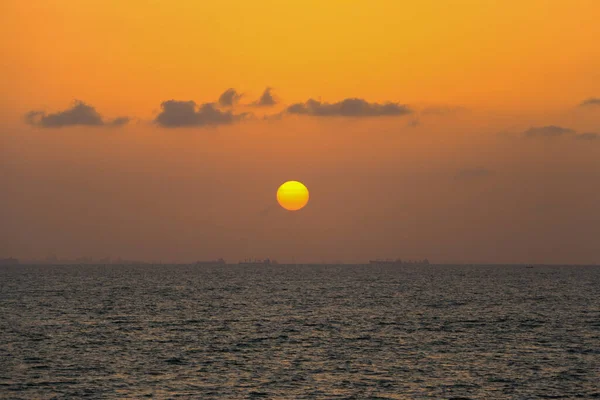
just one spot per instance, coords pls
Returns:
(460, 131)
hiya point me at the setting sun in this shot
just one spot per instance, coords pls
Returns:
(292, 195)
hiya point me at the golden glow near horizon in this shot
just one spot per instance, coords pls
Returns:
(292, 195)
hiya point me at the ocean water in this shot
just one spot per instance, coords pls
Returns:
(299, 332)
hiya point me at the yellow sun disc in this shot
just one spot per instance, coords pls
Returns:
(292, 195)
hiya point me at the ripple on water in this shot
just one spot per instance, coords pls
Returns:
(451, 332)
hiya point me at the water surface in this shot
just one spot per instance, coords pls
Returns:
(299, 332)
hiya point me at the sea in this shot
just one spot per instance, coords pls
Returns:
(299, 332)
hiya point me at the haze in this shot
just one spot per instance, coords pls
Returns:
(463, 132)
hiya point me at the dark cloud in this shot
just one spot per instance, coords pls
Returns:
(588, 136)
(229, 98)
(266, 99)
(348, 108)
(474, 173)
(175, 114)
(79, 114)
(592, 101)
(547, 131)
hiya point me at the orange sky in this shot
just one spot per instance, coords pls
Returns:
(129, 56)
(459, 179)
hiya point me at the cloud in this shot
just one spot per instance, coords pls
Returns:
(352, 107)
(176, 114)
(474, 173)
(588, 136)
(119, 121)
(266, 99)
(592, 101)
(79, 114)
(229, 98)
(274, 117)
(547, 131)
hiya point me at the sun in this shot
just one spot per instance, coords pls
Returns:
(292, 195)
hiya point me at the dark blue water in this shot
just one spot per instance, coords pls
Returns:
(299, 332)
